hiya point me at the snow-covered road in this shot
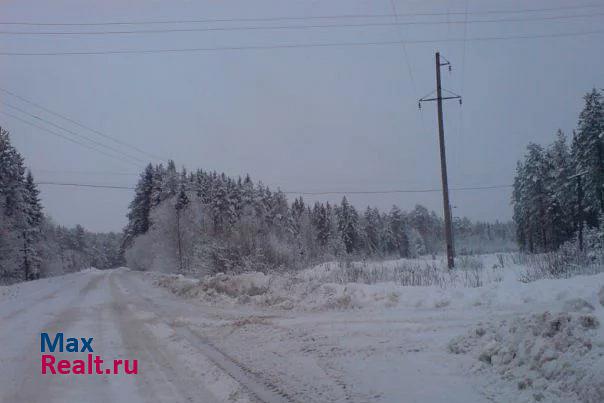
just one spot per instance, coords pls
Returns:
(128, 320)
(192, 352)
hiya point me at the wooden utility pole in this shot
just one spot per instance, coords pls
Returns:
(443, 157)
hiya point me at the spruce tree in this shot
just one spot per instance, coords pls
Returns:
(561, 192)
(372, 231)
(182, 201)
(588, 155)
(400, 242)
(31, 232)
(348, 221)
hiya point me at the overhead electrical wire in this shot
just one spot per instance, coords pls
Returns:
(301, 45)
(70, 139)
(77, 135)
(466, 188)
(86, 185)
(294, 27)
(81, 125)
(263, 47)
(460, 123)
(300, 18)
(53, 171)
(403, 47)
(400, 190)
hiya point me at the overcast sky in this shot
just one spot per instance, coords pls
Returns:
(304, 119)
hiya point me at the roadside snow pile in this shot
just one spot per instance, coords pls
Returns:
(551, 356)
(324, 287)
(279, 291)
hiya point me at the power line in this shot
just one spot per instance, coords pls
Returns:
(299, 18)
(300, 45)
(52, 171)
(403, 46)
(81, 125)
(73, 133)
(69, 138)
(466, 188)
(87, 185)
(400, 190)
(294, 27)
(460, 123)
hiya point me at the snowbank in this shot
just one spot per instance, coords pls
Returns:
(279, 291)
(319, 289)
(551, 356)
(544, 339)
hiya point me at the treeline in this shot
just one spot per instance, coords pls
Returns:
(209, 222)
(67, 250)
(558, 189)
(32, 246)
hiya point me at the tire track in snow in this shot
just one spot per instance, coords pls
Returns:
(175, 384)
(30, 304)
(31, 386)
(261, 389)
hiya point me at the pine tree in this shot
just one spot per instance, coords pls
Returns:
(348, 221)
(521, 208)
(170, 182)
(321, 222)
(22, 215)
(31, 232)
(429, 227)
(561, 192)
(537, 197)
(588, 155)
(399, 240)
(34, 208)
(141, 205)
(182, 201)
(538, 208)
(372, 230)
(219, 203)
(139, 212)
(157, 189)
(79, 239)
(297, 211)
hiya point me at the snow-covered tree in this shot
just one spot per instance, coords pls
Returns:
(398, 242)
(348, 225)
(547, 209)
(372, 229)
(140, 207)
(226, 224)
(588, 155)
(182, 202)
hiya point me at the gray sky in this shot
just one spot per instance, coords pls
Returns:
(304, 119)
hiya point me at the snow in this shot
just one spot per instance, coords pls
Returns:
(322, 288)
(508, 344)
(91, 303)
(552, 356)
(313, 336)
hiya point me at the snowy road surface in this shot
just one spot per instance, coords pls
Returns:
(190, 352)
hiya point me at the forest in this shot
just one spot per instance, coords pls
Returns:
(31, 245)
(558, 194)
(208, 222)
